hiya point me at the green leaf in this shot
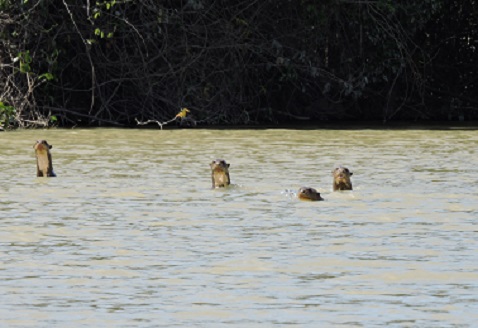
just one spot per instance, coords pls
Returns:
(26, 56)
(47, 76)
(24, 68)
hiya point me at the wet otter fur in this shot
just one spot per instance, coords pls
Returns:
(220, 173)
(342, 178)
(307, 193)
(44, 161)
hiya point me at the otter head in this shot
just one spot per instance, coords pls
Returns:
(342, 178)
(220, 173)
(42, 146)
(44, 161)
(306, 193)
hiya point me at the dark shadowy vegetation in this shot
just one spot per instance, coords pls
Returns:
(112, 62)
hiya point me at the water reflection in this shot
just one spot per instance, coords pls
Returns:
(131, 234)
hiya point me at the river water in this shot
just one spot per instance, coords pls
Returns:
(130, 233)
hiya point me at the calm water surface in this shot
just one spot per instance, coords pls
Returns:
(130, 233)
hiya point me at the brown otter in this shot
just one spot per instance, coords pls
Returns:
(44, 162)
(306, 193)
(342, 178)
(220, 173)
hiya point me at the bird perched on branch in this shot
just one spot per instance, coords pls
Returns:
(183, 120)
(183, 113)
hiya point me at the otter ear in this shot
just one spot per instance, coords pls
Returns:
(351, 173)
(50, 146)
(228, 165)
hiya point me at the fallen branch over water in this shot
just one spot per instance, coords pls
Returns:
(154, 121)
(181, 115)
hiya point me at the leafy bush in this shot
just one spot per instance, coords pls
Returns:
(112, 62)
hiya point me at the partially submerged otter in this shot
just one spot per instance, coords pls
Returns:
(342, 178)
(220, 173)
(44, 162)
(306, 193)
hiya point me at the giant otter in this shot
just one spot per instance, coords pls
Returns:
(342, 178)
(44, 162)
(306, 193)
(220, 173)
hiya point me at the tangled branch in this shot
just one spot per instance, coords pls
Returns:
(246, 62)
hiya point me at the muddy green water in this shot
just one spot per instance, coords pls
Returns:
(130, 233)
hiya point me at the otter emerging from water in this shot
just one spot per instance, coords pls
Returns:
(44, 162)
(306, 193)
(342, 178)
(220, 173)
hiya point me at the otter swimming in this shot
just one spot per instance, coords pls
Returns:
(342, 178)
(44, 161)
(306, 193)
(220, 173)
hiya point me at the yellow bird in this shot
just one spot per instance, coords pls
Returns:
(184, 111)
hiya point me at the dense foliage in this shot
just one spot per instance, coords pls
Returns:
(236, 62)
